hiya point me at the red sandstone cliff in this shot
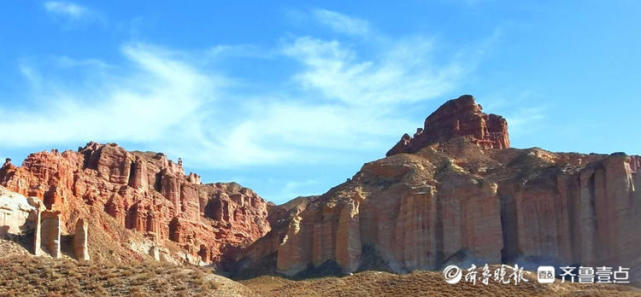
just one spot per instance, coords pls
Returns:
(140, 201)
(463, 196)
(456, 118)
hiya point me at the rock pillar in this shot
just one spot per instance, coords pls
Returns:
(138, 178)
(50, 232)
(37, 250)
(80, 245)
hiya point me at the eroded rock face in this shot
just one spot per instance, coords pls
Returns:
(456, 118)
(80, 240)
(397, 206)
(16, 213)
(50, 232)
(457, 202)
(142, 192)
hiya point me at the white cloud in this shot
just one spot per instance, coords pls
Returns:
(522, 120)
(67, 9)
(69, 62)
(521, 109)
(30, 75)
(303, 132)
(158, 94)
(338, 105)
(402, 71)
(341, 23)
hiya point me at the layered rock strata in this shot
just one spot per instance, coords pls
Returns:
(460, 201)
(456, 118)
(144, 193)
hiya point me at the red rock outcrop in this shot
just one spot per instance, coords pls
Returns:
(143, 192)
(455, 201)
(456, 118)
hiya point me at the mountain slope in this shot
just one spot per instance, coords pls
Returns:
(464, 197)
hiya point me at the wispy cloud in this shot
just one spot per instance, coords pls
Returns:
(521, 110)
(67, 9)
(401, 71)
(156, 95)
(72, 15)
(338, 103)
(342, 23)
(68, 62)
(523, 120)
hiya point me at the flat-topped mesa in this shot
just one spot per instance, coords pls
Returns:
(456, 118)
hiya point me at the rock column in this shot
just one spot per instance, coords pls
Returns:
(348, 238)
(50, 232)
(80, 245)
(37, 240)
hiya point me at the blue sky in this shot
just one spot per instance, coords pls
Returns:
(291, 98)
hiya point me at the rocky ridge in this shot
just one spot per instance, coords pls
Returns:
(457, 194)
(140, 201)
(461, 117)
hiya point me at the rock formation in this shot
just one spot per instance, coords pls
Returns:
(461, 195)
(456, 118)
(16, 213)
(37, 234)
(80, 244)
(50, 232)
(144, 193)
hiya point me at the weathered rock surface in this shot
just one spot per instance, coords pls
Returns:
(80, 238)
(456, 118)
(16, 213)
(465, 200)
(50, 232)
(129, 196)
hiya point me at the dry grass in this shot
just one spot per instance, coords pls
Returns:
(24, 275)
(420, 283)
(41, 276)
